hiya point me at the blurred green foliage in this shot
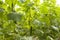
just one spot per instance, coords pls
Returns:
(19, 18)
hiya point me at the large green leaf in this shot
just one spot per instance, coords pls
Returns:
(14, 16)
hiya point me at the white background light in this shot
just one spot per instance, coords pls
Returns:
(57, 2)
(41, 1)
(3, 1)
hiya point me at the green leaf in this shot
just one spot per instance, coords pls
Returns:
(14, 16)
